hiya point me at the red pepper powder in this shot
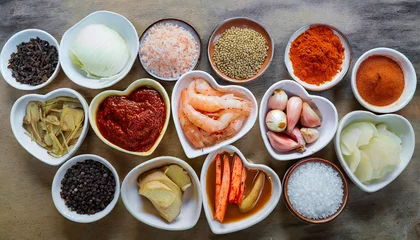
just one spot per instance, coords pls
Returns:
(317, 55)
(380, 80)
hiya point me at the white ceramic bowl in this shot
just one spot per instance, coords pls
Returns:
(337, 78)
(410, 79)
(321, 105)
(18, 112)
(179, 23)
(181, 84)
(396, 124)
(10, 47)
(223, 228)
(59, 202)
(142, 209)
(113, 20)
(96, 102)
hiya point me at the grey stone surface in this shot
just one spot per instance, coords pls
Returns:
(26, 208)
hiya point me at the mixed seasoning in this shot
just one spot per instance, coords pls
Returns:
(34, 62)
(132, 122)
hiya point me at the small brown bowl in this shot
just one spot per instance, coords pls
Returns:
(289, 204)
(241, 22)
(182, 24)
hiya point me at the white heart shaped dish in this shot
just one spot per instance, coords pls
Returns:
(398, 125)
(19, 111)
(143, 210)
(327, 110)
(144, 82)
(183, 83)
(223, 228)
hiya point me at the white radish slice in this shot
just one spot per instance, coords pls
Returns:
(344, 149)
(353, 160)
(374, 152)
(384, 132)
(350, 138)
(364, 170)
(381, 126)
(368, 131)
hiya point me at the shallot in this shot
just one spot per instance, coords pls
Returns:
(294, 109)
(298, 137)
(309, 134)
(309, 118)
(278, 100)
(276, 120)
(282, 143)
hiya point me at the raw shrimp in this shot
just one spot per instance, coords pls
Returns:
(207, 103)
(192, 133)
(207, 123)
(203, 87)
(232, 129)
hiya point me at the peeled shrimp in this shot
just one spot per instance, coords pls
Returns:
(203, 87)
(232, 129)
(192, 133)
(207, 103)
(207, 123)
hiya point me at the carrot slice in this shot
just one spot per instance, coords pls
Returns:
(224, 191)
(241, 192)
(218, 178)
(235, 182)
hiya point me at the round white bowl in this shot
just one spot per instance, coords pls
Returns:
(337, 78)
(113, 20)
(223, 228)
(142, 209)
(186, 27)
(321, 105)
(96, 102)
(410, 80)
(183, 83)
(10, 47)
(59, 202)
(18, 112)
(396, 124)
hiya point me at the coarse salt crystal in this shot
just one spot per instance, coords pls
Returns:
(315, 190)
(169, 50)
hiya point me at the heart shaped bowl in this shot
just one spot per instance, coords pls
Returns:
(181, 24)
(240, 22)
(18, 112)
(396, 124)
(338, 77)
(183, 83)
(144, 82)
(142, 209)
(10, 47)
(410, 80)
(325, 109)
(113, 20)
(223, 228)
(59, 202)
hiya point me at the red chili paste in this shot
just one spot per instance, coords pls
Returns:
(132, 122)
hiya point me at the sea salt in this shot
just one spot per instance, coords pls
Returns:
(315, 190)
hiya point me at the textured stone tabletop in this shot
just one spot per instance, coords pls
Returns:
(26, 207)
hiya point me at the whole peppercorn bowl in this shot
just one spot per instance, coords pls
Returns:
(97, 193)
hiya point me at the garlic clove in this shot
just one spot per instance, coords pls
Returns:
(276, 120)
(309, 134)
(278, 100)
(298, 137)
(282, 143)
(309, 118)
(294, 109)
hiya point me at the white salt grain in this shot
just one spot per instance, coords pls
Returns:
(315, 190)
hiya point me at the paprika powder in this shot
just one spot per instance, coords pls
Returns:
(317, 55)
(380, 80)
